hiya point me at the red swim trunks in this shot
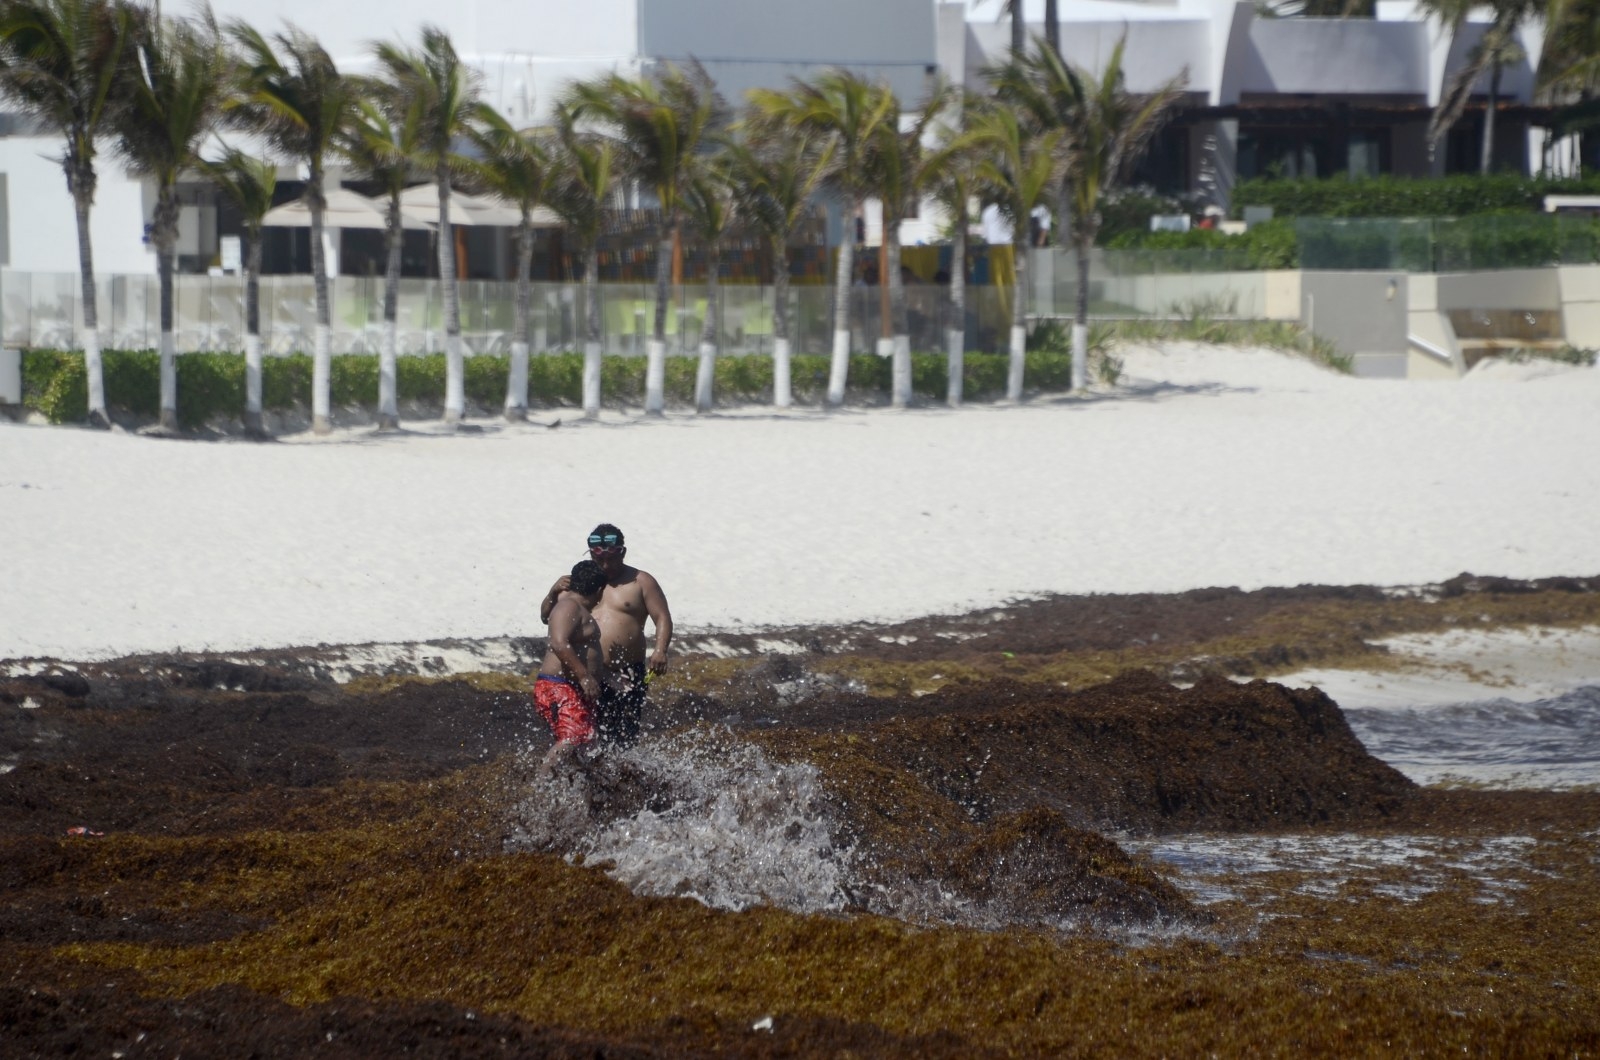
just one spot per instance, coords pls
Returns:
(563, 709)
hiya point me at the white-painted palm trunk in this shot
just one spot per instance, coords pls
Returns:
(655, 377)
(900, 375)
(388, 380)
(1019, 355)
(1080, 356)
(517, 383)
(955, 366)
(782, 374)
(705, 377)
(169, 382)
(591, 380)
(839, 367)
(321, 379)
(252, 384)
(94, 366)
(455, 380)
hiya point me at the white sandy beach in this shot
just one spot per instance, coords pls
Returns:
(1208, 466)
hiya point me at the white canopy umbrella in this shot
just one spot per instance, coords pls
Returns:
(346, 209)
(422, 200)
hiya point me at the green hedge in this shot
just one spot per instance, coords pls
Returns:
(1461, 195)
(211, 385)
(1269, 245)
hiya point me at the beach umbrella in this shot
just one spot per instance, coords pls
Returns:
(422, 200)
(346, 209)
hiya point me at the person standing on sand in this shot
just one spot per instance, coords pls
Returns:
(631, 596)
(567, 690)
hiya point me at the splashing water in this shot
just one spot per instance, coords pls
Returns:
(699, 815)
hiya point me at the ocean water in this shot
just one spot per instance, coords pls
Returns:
(705, 815)
(1497, 743)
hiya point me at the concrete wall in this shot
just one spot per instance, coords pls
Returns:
(10, 377)
(1336, 56)
(42, 229)
(1364, 314)
(745, 45)
(1580, 304)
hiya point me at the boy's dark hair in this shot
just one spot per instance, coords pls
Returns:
(587, 578)
(603, 533)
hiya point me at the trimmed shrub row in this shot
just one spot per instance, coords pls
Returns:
(1460, 195)
(211, 385)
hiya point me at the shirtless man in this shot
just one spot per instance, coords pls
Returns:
(567, 690)
(631, 595)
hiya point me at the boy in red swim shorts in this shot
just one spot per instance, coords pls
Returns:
(568, 688)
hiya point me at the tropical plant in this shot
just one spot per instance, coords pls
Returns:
(170, 99)
(898, 166)
(580, 175)
(59, 62)
(1105, 130)
(291, 93)
(511, 164)
(1495, 49)
(660, 123)
(954, 179)
(249, 183)
(774, 175)
(849, 113)
(381, 144)
(710, 206)
(444, 92)
(1019, 168)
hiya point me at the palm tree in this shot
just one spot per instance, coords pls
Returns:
(659, 123)
(954, 180)
(381, 144)
(898, 166)
(445, 93)
(849, 113)
(1018, 169)
(291, 93)
(59, 61)
(248, 183)
(512, 165)
(1497, 48)
(580, 171)
(1106, 129)
(774, 175)
(709, 203)
(170, 99)
(1569, 70)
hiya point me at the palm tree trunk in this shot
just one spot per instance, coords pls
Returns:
(169, 367)
(165, 233)
(900, 356)
(706, 373)
(1052, 26)
(321, 360)
(388, 368)
(591, 346)
(1019, 312)
(782, 373)
(1019, 29)
(252, 333)
(956, 338)
(517, 385)
(839, 369)
(655, 369)
(94, 368)
(1080, 321)
(1486, 157)
(455, 369)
